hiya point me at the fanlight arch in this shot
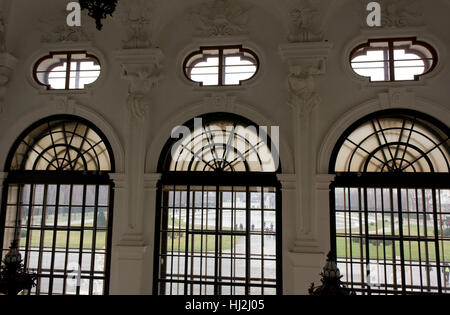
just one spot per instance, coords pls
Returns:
(393, 141)
(220, 143)
(61, 143)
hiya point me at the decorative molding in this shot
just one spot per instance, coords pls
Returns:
(299, 51)
(303, 96)
(142, 69)
(136, 16)
(54, 29)
(151, 180)
(396, 13)
(119, 179)
(305, 61)
(7, 65)
(130, 252)
(309, 246)
(64, 103)
(323, 181)
(288, 181)
(219, 18)
(3, 26)
(219, 101)
(395, 98)
(305, 25)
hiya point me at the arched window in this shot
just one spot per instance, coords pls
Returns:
(390, 204)
(67, 70)
(221, 65)
(401, 59)
(58, 205)
(218, 223)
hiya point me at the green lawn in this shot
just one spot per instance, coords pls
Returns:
(411, 250)
(74, 239)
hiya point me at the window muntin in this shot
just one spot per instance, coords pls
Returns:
(225, 146)
(231, 227)
(67, 71)
(393, 59)
(62, 145)
(391, 224)
(217, 66)
(400, 235)
(217, 213)
(61, 227)
(58, 209)
(395, 143)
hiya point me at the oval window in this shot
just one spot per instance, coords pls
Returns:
(67, 70)
(388, 60)
(219, 66)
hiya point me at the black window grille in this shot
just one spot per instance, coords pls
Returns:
(219, 213)
(221, 65)
(390, 204)
(393, 59)
(57, 202)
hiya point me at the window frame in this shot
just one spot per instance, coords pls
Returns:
(221, 67)
(68, 70)
(390, 56)
(20, 178)
(216, 179)
(393, 181)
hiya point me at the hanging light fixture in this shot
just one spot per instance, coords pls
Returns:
(99, 9)
(13, 277)
(331, 280)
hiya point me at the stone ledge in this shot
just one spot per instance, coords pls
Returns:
(125, 252)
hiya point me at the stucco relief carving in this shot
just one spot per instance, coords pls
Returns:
(2, 33)
(218, 101)
(396, 98)
(54, 30)
(141, 80)
(220, 18)
(397, 13)
(64, 104)
(7, 64)
(137, 17)
(302, 86)
(4, 80)
(305, 23)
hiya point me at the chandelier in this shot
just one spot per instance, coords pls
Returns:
(99, 9)
(13, 277)
(331, 280)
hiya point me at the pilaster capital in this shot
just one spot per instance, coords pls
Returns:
(151, 180)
